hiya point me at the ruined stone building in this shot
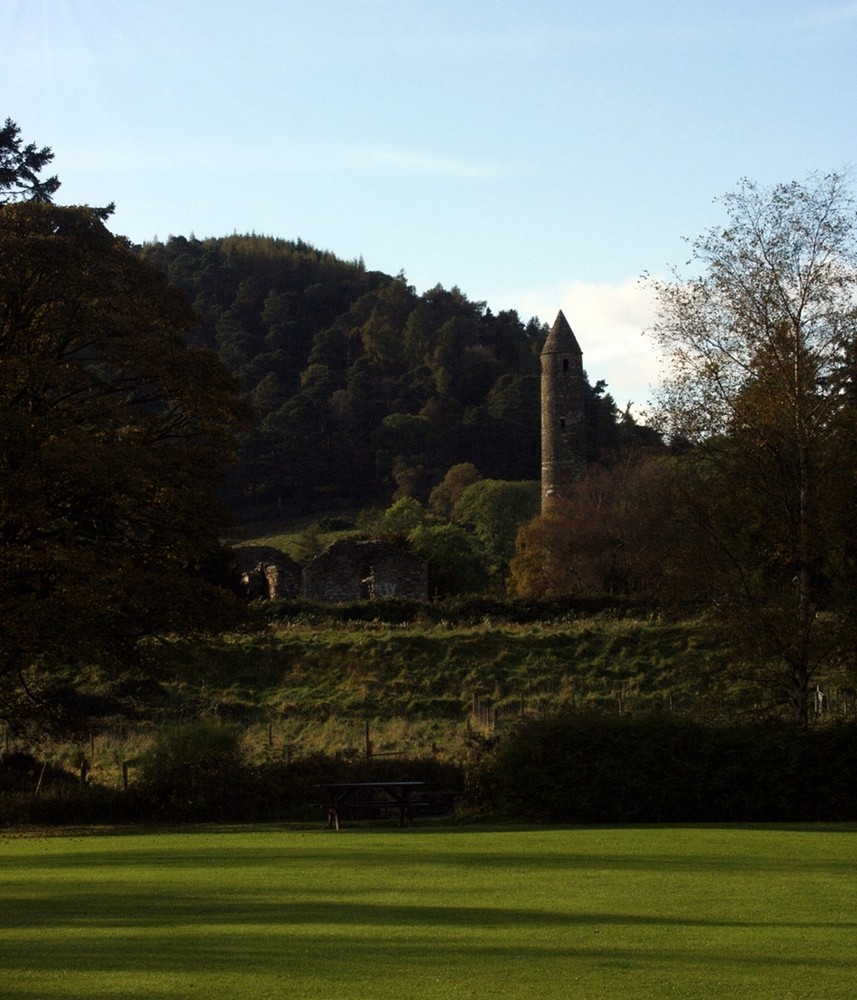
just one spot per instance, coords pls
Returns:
(563, 421)
(266, 572)
(350, 570)
(347, 570)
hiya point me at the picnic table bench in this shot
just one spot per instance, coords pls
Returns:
(373, 796)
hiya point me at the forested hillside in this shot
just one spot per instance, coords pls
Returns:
(361, 389)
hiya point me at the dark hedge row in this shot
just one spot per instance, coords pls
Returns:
(196, 774)
(628, 769)
(573, 768)
(466, 610)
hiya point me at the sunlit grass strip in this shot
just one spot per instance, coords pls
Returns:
(471, 913)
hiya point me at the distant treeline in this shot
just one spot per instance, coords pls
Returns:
(362, 390)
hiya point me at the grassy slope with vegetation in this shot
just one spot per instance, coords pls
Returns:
(316, 683)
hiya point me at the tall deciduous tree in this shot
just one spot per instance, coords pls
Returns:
(757, 348)
(619, 532)
(113, 435)
(447, 493)
(494, 510)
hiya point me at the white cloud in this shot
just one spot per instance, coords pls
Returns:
(831, 16)
(407, 162)
(608, 320)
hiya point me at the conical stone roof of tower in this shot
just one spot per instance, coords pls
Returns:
(561, 339)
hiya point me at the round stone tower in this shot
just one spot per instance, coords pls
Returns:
(563, 424)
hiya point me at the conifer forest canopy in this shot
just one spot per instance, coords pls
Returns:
(359, 386)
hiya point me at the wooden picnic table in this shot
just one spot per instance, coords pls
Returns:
(372, 795)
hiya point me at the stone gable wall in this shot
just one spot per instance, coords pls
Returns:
(350, 570)
(266, 573)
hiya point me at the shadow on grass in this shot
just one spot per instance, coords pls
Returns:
(344, 852)
(288, 940)
(487, 826)
(147, 911)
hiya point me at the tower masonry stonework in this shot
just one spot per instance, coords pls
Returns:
(563, 423)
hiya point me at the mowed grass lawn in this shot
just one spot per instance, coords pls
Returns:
(427, 913)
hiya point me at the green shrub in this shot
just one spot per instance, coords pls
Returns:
(595, 768)
(195, 772)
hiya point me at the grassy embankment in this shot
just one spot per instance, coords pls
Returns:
(302, 684)
(316, 683)
(644, 912)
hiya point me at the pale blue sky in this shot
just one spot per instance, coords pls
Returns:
(539, 154)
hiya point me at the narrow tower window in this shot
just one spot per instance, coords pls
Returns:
(565, 364)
